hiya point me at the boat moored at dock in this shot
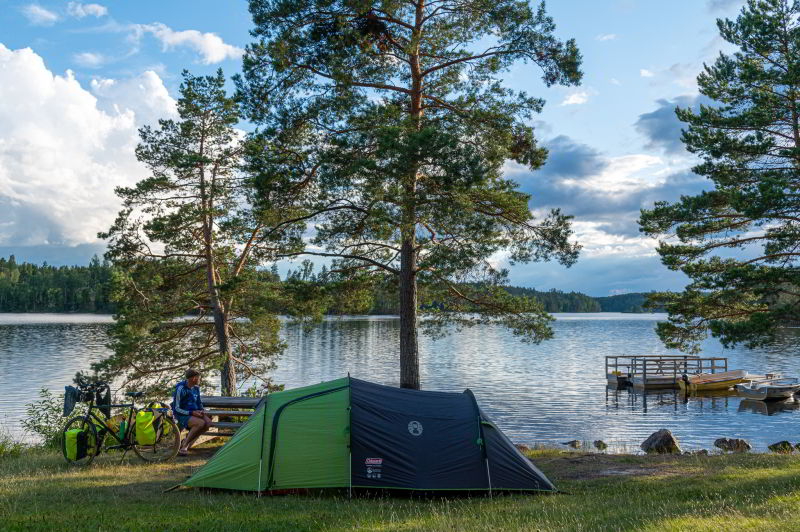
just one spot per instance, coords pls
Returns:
(714, 381)
(769, 389)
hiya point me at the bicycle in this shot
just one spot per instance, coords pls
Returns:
(97, 429)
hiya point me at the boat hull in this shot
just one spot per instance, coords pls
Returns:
(768, 392)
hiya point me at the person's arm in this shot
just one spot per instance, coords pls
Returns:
(180, 393)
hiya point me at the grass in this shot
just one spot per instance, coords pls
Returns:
(605, 492)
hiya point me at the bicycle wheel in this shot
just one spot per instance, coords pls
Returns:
(168, 440)
(83, 448)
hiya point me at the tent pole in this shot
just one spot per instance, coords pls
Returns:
(260, 463)
(489, 477)
(350, 435)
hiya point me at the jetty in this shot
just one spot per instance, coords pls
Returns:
(658, 371)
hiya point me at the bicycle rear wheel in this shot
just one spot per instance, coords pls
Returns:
(165, 448)
(80, 450)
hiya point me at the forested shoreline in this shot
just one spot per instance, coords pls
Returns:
(26, 287)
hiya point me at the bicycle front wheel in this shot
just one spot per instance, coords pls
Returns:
(165, 448)
(79, 441)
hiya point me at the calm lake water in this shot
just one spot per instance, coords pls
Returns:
(547, 393)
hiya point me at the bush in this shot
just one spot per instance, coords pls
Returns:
(44, 418)
(8, 445)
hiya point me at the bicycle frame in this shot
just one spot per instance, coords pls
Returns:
(126, 441)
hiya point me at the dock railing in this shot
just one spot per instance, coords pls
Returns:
(659, 370)
(620, 368)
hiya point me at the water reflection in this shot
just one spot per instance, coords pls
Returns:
(768, 408)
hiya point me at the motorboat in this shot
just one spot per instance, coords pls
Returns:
(769, 389)
(714, 381)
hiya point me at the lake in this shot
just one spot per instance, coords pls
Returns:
(547, 393)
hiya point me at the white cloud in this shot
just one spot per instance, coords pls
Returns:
(64, 149)
(625, 174)
(606, 37)
(76, 9)
(576, 98)
(597, 242)
(209, 45)
(145, 95)
(39, 16)
(89, 59)
(646, 73)
(615, 81)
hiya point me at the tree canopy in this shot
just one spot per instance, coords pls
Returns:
(189, 243)
(413, 124)
(739, 242)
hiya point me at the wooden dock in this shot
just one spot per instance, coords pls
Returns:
(658, 371)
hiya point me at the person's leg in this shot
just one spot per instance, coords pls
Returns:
(196, 427)
(200, 426)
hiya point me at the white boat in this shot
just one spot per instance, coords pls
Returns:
(769, 389)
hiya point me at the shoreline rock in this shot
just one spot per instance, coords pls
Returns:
(781, 447)
(661, 442)
(734, 445)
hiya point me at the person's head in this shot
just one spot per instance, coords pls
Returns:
(192, 377)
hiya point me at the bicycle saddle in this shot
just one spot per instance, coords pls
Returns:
(134, 394)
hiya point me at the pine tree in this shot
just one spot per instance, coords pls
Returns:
(738, 243)
(414, 125)
(190, 242)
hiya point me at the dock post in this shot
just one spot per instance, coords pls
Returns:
(644, 373)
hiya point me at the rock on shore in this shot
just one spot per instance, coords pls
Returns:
(661, 442)
(734, 445)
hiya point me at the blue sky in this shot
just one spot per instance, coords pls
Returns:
(77, 80)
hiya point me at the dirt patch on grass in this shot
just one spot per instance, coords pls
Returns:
(576, 466)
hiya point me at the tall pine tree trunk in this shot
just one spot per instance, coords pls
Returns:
(409, 350)
(409, 347)
(227, 374)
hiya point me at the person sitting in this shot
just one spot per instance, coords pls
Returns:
(188, 409)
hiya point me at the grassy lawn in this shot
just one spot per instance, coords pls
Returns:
(605, 492)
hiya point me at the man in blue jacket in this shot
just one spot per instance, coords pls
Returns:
(189, 411)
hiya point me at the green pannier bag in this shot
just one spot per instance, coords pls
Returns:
(145, 432)
(159, 416)
(76, 444)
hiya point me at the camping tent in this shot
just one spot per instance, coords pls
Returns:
(352, 433)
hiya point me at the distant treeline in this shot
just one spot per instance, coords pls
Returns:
(31, 288)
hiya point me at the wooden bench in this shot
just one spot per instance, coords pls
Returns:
(223, 407)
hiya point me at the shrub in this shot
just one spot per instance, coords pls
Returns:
(8, 445)
(44, 418)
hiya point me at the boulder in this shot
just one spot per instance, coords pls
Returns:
(575, 444)
(734, 445)
(600, 445)
(781, 447)
(661, 442)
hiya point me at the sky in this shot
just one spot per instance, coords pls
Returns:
(78, 79)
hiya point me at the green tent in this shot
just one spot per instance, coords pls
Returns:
(352, 433)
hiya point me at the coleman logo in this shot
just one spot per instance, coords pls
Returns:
(373, 461)
(415, 428)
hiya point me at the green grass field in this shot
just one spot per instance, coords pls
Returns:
(38, 491)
